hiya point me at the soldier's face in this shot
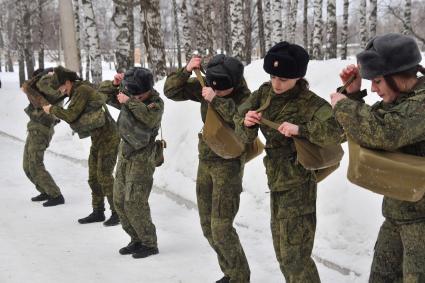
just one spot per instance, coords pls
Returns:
(380, 86)
(280, 85)
(65, 89)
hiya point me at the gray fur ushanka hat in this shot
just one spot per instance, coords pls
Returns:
(388, 54)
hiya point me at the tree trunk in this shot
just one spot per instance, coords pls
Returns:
(372, 17)
(153, 38)
(292, 21)
(93, 41)
(187, 42)
(248, 30)
(7, 43)
(286, 15)
(261, 28)
(363, 23)
(130, 11)
(20, 40)
(276, 21)
(208, 33)
(237, 25)
(68, 37)
(40, 33)
(197, 11)
(267, 24)
(227, 28)
(331, 32)
(407, 17)
(305, 24)
(317, 34)
(176, 26)
(28, 49)
(344, 32)
(122, 52)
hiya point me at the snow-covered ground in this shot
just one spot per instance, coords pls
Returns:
(47, 244)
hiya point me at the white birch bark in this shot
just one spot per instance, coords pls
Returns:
(93, 41)
(344, 30)
(186, 39)
(267, 24)
(372, 17)
(407, 15)
(20, 40)
(237, 26)
(276, 21)
(331, 32)
(363, 23)
(292, 22)
(317, 32)
(122, 40)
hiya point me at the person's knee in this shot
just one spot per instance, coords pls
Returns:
(221, 229)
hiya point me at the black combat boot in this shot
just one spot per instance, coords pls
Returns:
(145, 251)
(113, 220)
(131, 248)
(41, 197)
(95, 216)
(225, 279)
(54, 201)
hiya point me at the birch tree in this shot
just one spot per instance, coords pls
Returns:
(276, 21)
(317, 32)
(363, 23)
(227, 28)
(93, 41)
(267, 24)
(344, 30)
(122, 52)
(200, 44)
(292, 21)
(28, 46)
(372, 18)
(20, 40)
(331, 32)
(153, 38)
(237, 25)
(407, 15)
(130, 20)
(208, 23)
(39, 31)
(248, 30)
(187, 39)
(305, 24)
(177, 30)
(261, 36)
(7, 38)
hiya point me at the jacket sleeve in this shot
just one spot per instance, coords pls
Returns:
(76, 107)
(150, 114)
(110, 91)
(247, 134)
(374, 127)
(179, 86)
(322, 129)
(226, 107)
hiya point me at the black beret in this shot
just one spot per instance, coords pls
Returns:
(138, 80)
(388, 54)
(61, 75)
(224, 72)
(286, 60)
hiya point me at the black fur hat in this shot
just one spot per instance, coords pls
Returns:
(61, 75)
(224, 72)
(138, 80)
(286, 60)
(388, 54)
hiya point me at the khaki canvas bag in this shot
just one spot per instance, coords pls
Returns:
(221, 138)
(393, 174)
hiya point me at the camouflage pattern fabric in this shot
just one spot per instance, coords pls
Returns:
(393, 126)
(38, 140)
(399, 253)
(293, 188)
(219, 181)
(135, 168)
(105, 140)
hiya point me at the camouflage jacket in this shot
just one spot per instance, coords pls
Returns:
(138, 122)
(180, 87)
(37, 114)
(396, 126)
(84, 100)
(311, 113)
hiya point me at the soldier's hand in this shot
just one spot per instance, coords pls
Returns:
(335, 97)
(345, 75)
(118, 79)
(122, 98)
(208, 93)
(194, 63)
(252, 118)
(288, 129)
(46, 108)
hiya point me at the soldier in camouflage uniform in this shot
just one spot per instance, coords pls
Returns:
(300, 113)
(138, 125)
(395, 124)
(40, 130)
(219, 181)
(86, 116)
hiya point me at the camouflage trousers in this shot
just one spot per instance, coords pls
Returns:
(399, 253)
(293, 225)
(132, 187)
(218, 188)
(102, 160)
(38, 140)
